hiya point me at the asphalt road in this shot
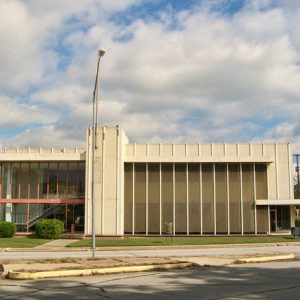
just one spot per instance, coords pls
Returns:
(201, 251)
(278, 280)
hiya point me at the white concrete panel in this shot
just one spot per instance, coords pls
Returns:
(270, 150)
(206, 150)
(167, 150)
(141, 150)
(179, 150)
(218, 150)
(257, 150)
(283, 171)
(244, 150)
(192, 150)
(110, 182)
(129, 149)
(231, 150)
(153, 150)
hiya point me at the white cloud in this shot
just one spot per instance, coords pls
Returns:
(22, 60)
(43, 136)
(158, 76)
(14, 114)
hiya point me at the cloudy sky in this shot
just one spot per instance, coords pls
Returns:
(183, 71)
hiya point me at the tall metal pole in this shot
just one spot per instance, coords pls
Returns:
(298, 174)
(94, 145)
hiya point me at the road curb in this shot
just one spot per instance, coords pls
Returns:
(265, 258)
(97, 271)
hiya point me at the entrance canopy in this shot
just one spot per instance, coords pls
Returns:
(278, 202)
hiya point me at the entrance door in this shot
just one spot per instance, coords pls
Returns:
(280, 218)
(273, 219)
(75, 217)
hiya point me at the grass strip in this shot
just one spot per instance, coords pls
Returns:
(163, 241)
(21, 242)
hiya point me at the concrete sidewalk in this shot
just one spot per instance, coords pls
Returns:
(55, 245)
(30, 269)
(131, 262)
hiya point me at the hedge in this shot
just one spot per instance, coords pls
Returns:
(7, 229)
(49, 228)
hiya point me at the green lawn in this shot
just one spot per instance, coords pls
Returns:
(21, 242)
(161, 241)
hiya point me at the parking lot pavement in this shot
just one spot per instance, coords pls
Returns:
(278, 280)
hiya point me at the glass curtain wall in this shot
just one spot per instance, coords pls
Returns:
(41, 181)
(53, 180)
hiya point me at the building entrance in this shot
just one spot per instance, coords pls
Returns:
(280, 218)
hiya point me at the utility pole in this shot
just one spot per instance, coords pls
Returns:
(94, 146)
(298, 174)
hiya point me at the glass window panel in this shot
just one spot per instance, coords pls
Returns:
(140, 198)
(5, 180)
(221, 198)
(24, 180)
(153, 198)
(34, 180)
(78, 217)
(234, 198)
(262, 219)
(62, 180)
(128, 198)
(167, 194)
(194, 199)
(208, 198)
(44, 180)
(81, 180)
(2, 212)
(19, 216)
(0, 180)
(72, 180)
(180, 198)
(248, 198)
(283, 217)
(15, 177)
(261, 181)
(52, 180)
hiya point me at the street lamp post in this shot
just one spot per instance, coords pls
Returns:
(94, 145)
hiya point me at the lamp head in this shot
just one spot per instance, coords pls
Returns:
(101, 52)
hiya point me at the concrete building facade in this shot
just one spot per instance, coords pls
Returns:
(202, 189)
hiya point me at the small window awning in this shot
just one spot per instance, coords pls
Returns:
(278, 202)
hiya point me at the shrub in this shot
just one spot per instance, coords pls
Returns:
(49, 229)
(7, 229)
(297, 222)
